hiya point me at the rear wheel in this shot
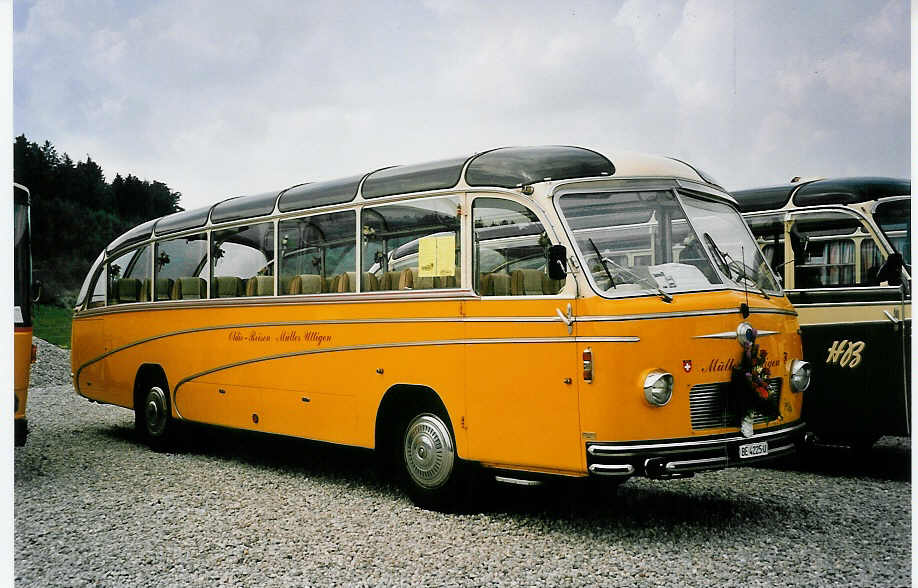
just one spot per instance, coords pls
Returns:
(432, 472)
(153, 417)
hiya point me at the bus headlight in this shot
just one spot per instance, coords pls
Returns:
(658, 387)
(800, 375)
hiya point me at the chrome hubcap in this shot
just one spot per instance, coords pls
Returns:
(156, 412)
(428, 451)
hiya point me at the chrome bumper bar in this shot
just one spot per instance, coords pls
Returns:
(683, 457)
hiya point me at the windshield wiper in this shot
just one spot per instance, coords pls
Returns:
(729, 266)
(602, 262)
(648, 281)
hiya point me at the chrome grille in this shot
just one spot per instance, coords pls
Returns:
(710, 409)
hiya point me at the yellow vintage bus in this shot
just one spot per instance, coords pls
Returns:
(23, 348)
(534, 311)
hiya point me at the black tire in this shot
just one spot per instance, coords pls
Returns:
(431, 471)
(153, 415)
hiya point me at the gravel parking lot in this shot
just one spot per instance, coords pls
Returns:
(94, 507)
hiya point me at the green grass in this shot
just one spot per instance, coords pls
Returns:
(52, 323)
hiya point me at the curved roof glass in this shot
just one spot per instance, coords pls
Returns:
(435, 175)
(511, 167)
(850, 190)
(768, 198)
(188, 219)
(139, 233)
(244, 207)
(319, 194)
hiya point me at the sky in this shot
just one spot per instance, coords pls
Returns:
(223, 98)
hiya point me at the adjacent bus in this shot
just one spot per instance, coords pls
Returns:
(842, 247)
(23, 348)
(534, 311)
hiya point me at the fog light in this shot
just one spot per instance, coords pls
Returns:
(658, 387)
(800, 374)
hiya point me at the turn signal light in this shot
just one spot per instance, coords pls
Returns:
(34, 352)
(588, 365)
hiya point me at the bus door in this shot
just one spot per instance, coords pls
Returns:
(852, 321)
(522, 378)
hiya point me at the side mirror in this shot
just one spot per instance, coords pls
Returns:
(36, 291)
(798, 245)
(557, 262)
(891, 270)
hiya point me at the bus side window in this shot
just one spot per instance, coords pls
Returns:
(128, 277)
(511, 250)
(178, 265)
(315, 251)
(243, 261)
(829, 254)
(97, 297)
(411, 245)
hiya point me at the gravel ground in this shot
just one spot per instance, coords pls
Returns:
(94, 507)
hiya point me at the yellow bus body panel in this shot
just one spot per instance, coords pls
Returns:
(22, 365)
(508, 370)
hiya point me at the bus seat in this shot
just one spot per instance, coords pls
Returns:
(447, 281)
(163, 289)
(526, 282)
(495, 284)
(368, 282)
(260, 286)
(344, 282)
(189, 289)
(331, 284)
(416, 282)
(389, 280)
(127, 290)
(406, 280)
(228, 286)
(310, 283)
(284, 283)
(550, 286)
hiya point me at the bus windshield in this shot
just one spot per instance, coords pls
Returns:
(22, 265)
(647, 242)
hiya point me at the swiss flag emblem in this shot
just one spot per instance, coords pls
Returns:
(686, 365)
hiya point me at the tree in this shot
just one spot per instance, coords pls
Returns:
(76, 213)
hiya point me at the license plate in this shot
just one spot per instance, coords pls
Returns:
(753, 449)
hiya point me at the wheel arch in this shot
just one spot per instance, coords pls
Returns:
(146, 373)
(401, 400)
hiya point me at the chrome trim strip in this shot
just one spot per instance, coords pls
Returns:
(778, 450)
(607, 449)
(534, 340)
(835, 304)
(367, 346)
(607, 339)
(879, 322)
(696, 464)
(732, 335)
(612, 470)
(517, 481)
(681, 314)
(857, 289)
(772, 311)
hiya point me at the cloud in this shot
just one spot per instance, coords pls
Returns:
(220, 98)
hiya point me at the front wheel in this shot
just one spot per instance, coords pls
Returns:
(153, 417)
(431, 468)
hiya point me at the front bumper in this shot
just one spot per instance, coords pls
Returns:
(676, 458)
